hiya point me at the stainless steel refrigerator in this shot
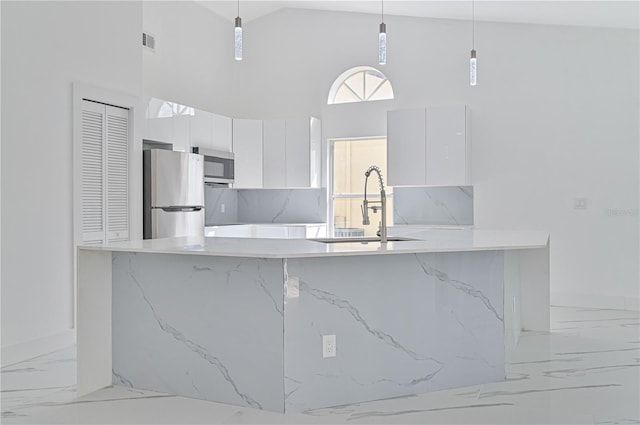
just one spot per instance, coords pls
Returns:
(173, 194)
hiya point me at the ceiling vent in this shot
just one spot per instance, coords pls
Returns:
(149, 41)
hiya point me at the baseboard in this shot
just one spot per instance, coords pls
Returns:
(570, 299)
(37, 347)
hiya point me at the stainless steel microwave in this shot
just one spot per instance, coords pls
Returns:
(218, 165)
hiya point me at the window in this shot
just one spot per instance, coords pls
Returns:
(350, 159)
(360, 84)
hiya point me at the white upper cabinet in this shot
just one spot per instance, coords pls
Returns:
(429, 147)
(271, 153)
(170, 122)
(222, 133)
(447, 148)
(186, 127)
(297, 156)
(315, 153)
(247, 147)
(182, 132)
(406, 147)
(274, 156)
(202, 129)
(160, 120)
(211, 131)
(291, 152)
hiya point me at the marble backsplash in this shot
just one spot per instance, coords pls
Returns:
(443, 205)
(221, 206)
(254, 206)
(412, 205)
(282, 205)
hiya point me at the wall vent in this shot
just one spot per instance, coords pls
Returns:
(148, 41)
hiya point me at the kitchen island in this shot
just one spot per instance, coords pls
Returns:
(241, 321)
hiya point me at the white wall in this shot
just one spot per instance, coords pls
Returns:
(193, 62)
(555, 116)
(47, 46)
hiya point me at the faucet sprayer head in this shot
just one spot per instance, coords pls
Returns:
(365, 213)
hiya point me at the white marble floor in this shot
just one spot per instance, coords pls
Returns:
(586, 371)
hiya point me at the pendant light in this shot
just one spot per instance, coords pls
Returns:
(382, 40)
(473, 62)
(238, 35)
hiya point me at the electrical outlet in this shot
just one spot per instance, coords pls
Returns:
(222, 208)
(328, 346)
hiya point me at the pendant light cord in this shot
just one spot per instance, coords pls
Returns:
(238, 7)
(473, 24)
(382, 14)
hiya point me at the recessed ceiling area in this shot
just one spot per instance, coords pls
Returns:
(607, 13)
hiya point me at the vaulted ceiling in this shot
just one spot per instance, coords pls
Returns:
(605, 13)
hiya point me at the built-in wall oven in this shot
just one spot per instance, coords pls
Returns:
(218, 166)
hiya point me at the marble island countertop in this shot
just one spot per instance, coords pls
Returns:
(426, 240)
(418, 313)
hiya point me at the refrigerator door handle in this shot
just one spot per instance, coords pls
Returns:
(181, 209)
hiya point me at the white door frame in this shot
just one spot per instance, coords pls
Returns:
(136, 122)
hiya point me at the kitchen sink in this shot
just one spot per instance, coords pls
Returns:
(361, 239)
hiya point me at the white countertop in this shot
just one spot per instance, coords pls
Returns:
(428, 240)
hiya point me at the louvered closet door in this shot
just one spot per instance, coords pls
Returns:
(117, 193)
(105, 173)
(92, 173)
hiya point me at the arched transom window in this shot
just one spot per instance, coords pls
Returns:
(360, 84)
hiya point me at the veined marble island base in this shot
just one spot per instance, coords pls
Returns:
(248, 330)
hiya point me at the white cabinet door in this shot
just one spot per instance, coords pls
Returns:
(161, 129)
(297, 154)
(170, 122)
(274, 153)
(315, 153)
(182, 132)
(202, 129)
(291, 152)
(160, 120)
(428, 147)
(446, 147)
(247, 147)
(406, 147)
(222, 133)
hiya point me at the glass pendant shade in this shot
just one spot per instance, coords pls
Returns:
(473, 68)
(238, 39)
(382, 44)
